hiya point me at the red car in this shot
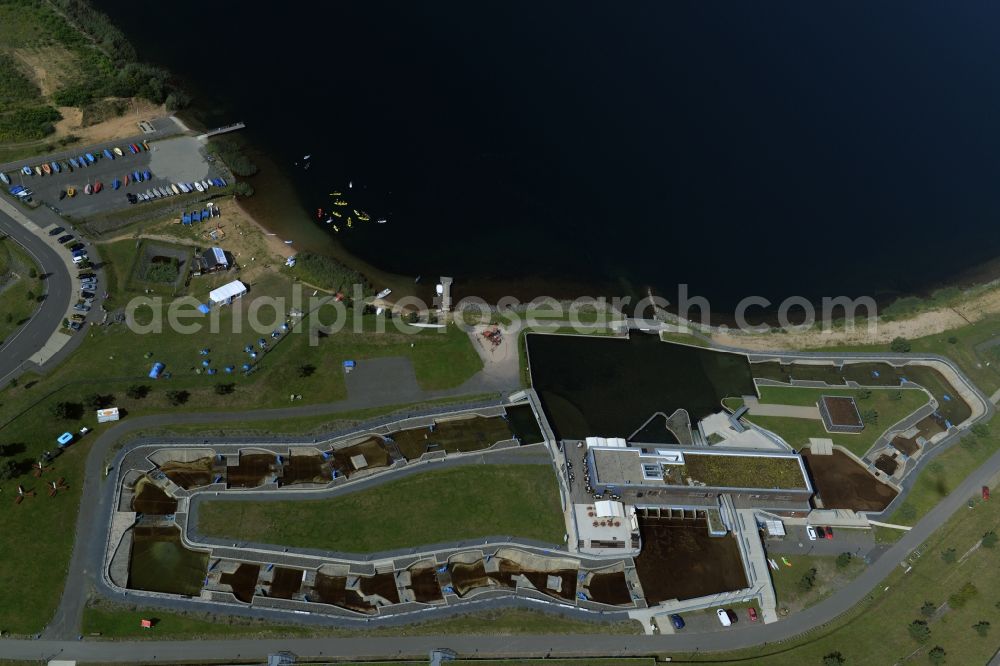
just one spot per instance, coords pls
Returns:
(752, 614)
(829, 532)
(986, 492)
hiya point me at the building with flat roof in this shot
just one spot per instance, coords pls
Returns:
(676, 477)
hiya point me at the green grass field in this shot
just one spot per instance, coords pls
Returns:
(16, 287)
(876, 631)
(433, 507)
(797, 431)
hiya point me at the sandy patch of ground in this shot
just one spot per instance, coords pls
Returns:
(932, 322)
(50, 67)
(113, 128)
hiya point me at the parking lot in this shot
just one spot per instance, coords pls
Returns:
(845, 540)
(169, 161)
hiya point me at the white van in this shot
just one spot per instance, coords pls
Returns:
(724, 617)
(79, 260)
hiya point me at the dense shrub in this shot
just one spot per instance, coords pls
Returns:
(328, 273)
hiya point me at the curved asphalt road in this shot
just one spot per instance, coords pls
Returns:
(90, 540)
(29, 338)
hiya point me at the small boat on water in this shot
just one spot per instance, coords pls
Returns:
(81, 161)
(115, 184)
(383, 293)
(145, 146)
(56, 168)
(128, 179)
(38, 171)
(184, 187)
(198, 187)
(336, 213)
(136, 177)
(288, 242)
(146, 175)
(306, 157)
(222, 182)
(132, 148)
(336, 229)
(350, 223)
(26, 170)
(206, 185)
(90, 158)
(98, 187)
(350, 184)
(109, 154)
(175, 189)
(71, 191)
(88, 189)
(4, 178)
(46, 169)
(62, 194)
(339, 202)
(67, 165)
(164, 191)
(118, 152)
(382, 221)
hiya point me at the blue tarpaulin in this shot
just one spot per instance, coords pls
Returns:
(203, 309)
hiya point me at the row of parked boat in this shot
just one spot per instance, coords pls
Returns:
(74, 163)
(175, 189)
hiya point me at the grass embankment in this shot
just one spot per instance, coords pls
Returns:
(18, 290)
(793, 594)
(114, 621)
(877, 630)
(426, 508)
(891, 405)
(112, 359)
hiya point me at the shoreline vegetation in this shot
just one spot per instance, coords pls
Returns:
(65, 67)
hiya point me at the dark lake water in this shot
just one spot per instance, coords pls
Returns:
(743, 148)
(610, 387)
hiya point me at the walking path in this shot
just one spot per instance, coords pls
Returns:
(790, 411)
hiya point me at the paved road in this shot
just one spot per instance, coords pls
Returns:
(29, 338)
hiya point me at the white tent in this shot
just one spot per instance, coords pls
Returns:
(609, 509)
(225, 294)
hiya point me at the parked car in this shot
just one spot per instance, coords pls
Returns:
(75, 325)
(724, 617)
(79, 260)
(81, 307)
(86, 275)
(811, 532)
(677, 621)
(752, 614)
(79, 317)
(820, 532)
(79, 253)
(76, 246)
(986, 492)
(56, 231)
(829, 532)
(66, 238)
